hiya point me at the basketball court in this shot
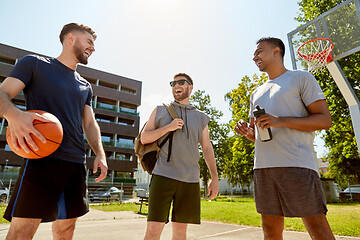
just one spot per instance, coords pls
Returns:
(131, 226)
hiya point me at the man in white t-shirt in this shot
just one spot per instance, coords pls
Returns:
(286, 180)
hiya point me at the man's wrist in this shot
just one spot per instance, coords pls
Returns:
(11, 112)
(100, 154)
(214, 177)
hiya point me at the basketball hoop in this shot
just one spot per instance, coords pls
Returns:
(316, 53)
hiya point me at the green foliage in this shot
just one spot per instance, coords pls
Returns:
(310, 9)
(218, 132)
(340, 138)
(239, 166)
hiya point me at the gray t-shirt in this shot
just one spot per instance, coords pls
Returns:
(184, 160)
(286, 96)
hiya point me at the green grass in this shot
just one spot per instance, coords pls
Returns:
(237, 211)
(2, 211)
(344, 218)
(115, 207)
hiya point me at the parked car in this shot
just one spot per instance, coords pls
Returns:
(140, 192)
(4, 192)
(355, 192)
(106, 194)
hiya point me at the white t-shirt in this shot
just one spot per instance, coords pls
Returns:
(286, 96)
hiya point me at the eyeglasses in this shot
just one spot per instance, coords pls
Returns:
(180, 82)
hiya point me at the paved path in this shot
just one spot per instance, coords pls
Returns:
(98, 225)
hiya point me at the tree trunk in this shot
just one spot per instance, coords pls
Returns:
(205, 184)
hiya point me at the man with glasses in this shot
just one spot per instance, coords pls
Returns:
(176, 180)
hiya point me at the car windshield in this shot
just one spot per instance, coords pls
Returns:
(353, 189)
(101, 190)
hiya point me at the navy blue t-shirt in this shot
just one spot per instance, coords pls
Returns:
(52, 87)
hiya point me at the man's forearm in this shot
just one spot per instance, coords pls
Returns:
(310, 123)
(153, 135)
(7, 108)
(93, 136)
(210, 162)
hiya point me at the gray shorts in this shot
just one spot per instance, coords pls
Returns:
(289, 192)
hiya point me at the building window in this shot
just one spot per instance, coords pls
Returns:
(128, 108)
(7, 148)
(124, 142)
(108, 85)
(128, 90)
(19, 103)
(106, 104)
(104, 118)
(107, 139)
(120, 156)
(123, 156)
(126, 122)
(7, 60)
(109, 155)
(4, 127)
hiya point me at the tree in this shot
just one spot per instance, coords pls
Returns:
(239, 167)
(340, 138)
(218, 133)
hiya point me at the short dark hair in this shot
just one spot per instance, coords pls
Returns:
(276, 42)
(184, 75)
(70, 27)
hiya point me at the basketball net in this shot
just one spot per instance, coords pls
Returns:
(316, 53)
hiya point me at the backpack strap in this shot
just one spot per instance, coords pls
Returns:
(170, 146)
(164, 141)
(173, 115)
(171, 110)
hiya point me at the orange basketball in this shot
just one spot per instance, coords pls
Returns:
(52, 131)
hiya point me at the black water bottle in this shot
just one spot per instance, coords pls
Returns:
(265, 134)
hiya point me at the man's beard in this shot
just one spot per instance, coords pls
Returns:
(79, 53)
(183, 95)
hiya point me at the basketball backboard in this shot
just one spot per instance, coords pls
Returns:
(340, 24)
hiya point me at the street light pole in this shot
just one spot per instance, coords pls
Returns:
(6, 162)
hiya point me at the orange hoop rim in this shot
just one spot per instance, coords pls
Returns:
(319, 54)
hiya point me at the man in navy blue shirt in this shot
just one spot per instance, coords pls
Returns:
(53, 188)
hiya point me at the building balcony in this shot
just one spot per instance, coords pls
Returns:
(105, 106)
(120, 144)
(113, 108)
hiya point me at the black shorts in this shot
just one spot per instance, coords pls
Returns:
(49, 189)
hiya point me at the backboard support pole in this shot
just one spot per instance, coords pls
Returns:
(349, 95)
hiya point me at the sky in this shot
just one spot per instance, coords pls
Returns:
(151, 40)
